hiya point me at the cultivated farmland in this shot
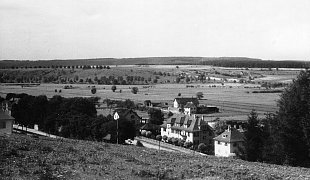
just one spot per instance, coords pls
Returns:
(220, 87)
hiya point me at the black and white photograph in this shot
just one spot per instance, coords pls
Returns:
(154, 89)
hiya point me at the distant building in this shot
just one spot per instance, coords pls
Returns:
(181, 102)
(188, 128)
(6, 123)
(229, 143)
(127, 114)
(190, 108)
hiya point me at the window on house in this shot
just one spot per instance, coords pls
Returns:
(225, 144)
(2, 125)
(218, 142)
(164, 129)
(224, 135)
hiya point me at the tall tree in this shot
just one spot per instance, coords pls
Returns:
(156, 116)
(253, 138)
(294, 113)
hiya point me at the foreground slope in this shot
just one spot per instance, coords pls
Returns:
(24, 157)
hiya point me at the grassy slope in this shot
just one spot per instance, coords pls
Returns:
(23, 157)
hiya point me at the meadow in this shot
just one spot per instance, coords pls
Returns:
(25, 157)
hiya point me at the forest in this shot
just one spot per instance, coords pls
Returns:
(240, 62)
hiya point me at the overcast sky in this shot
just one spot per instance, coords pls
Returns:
(65, 29)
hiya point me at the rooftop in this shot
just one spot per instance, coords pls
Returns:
(5, 116)
(230, 135)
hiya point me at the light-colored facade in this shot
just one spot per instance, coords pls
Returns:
(229, 143)
(181, 102)
(188, 128)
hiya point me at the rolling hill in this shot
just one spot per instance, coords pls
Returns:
(24, 157)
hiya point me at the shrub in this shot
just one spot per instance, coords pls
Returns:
(181, 142)
(93, 90)
(139, 144)
(159, 137)
(148, 133)
(188, 144)
(153, 136)
(175, 141)
(169, 140)
(113, 88)
(134, 90)
(202, 147)
(143, 132)
(165, 138)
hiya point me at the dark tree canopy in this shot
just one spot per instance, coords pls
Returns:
(253, 138)
(134, 90)
(156, 116)
(294, 119)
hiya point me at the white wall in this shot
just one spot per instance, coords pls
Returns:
(221, 149)
(175, 104)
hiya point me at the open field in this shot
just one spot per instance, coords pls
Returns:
(24, 157)
(229, 98)
(227, 95)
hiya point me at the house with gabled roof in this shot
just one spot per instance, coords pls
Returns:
(127, 114)
(190, 108)
(229, 143)
(188, 128)
(181, 102)
(6, 123)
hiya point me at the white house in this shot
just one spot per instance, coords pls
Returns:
(229, 143)
(6, 123)
(181, 102)
(188, 128)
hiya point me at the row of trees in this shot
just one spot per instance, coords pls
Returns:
(59, 66)
(255, 63)
(69, 117)
(61, 77)
(284, 137)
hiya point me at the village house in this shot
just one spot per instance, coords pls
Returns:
(6, 123)
(229, 143)
(190, 108)
(188, 128)
(127, 114)
(158, 105)
(181, 102)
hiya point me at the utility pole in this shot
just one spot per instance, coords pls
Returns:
(116, 117)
